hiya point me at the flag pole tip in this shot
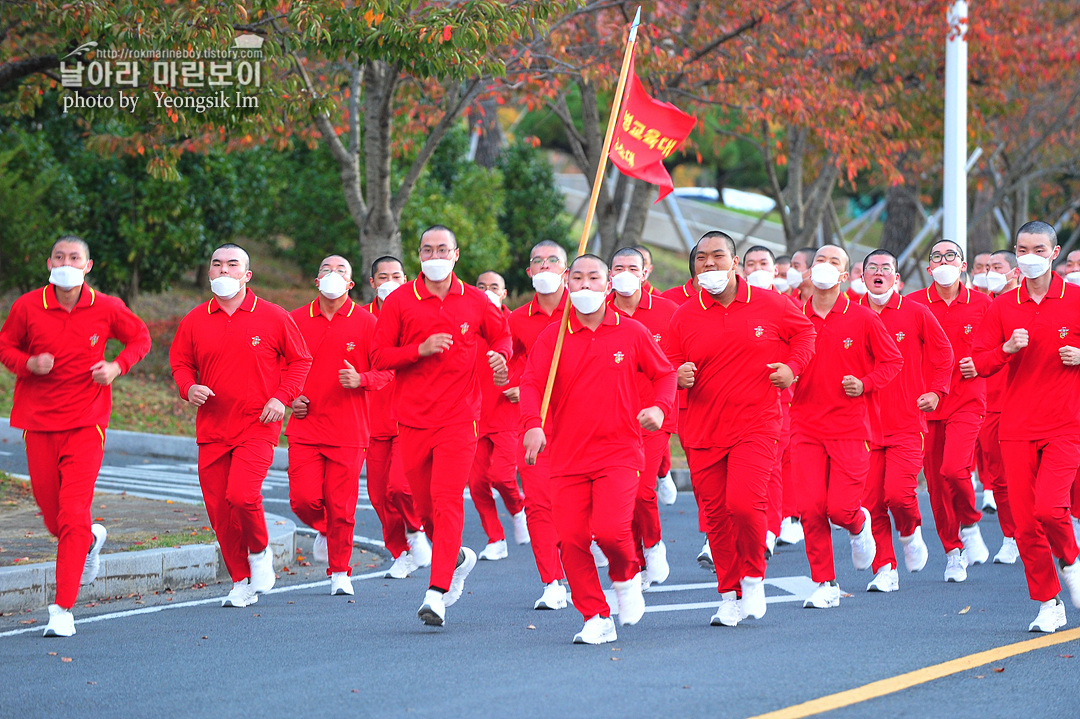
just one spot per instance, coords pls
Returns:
(633, 28)
(637, 18)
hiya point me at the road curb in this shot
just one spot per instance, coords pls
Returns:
(32, 586)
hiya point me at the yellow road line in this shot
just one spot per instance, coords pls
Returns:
(919, 676)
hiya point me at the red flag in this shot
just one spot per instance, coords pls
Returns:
(647, 132)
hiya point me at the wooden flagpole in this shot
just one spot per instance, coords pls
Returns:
(598, 180)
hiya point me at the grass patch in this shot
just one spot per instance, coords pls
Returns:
(13, 490)
(165, 540)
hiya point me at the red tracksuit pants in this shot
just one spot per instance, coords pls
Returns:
(495, 467)
(646, 523)
(324, 484)
(732, 485)
(600, 505)
(833, 479)
(948, 458)
(437, 462)
(536, 481)
(992, 471)
(891, 486)
(63, 469)
(783, 502)
(231, 477)
(388, 490)
(1040, 474)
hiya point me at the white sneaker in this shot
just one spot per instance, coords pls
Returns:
(242, 595)
(457, 583)
(521, 528)
(1051, 617)
(61, 622)
(825, 596)
(656, 563)
(753, 602)
(915, 551)
(630, 600)
(863, 547)
(1009, 552)
(728, 613)
(93, 560)
(419, 548)
(320, 553)
(494, 551)
(770, 545)
(886, 580)
(402, 567)
(989, 504)
(704, 557)
(262, 570)
(340, 584)
(1071, 575)
(955, 566)
(598, 555)
(554, 597)
(974, 546)
(597, 630)
(433, 611)
(666, 491)
(791, 531)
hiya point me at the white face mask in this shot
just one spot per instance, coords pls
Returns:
(762, 278)
(66, 277)
(386, 288)
(587, 301)
(881, 299)
(547, 283)
(495, 299)
(1033, 266)
(625, 283)
(794, 277)
(780, 284)
(225, 287)
(858, 286)
(946, 275)
(980, 281)
(333, 285)
(1073, 278)
(714, 281)
(824, 276)
(437, 270)
(995, 281)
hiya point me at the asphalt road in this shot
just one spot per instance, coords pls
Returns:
(301, 652)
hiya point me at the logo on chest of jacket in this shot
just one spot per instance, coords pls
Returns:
(656, 337)
(350, 346)
(464, 327)
(619, 357)
(967, 329)
(1063, 332)
(900, 336)
(759, 331)
(848, 342)
(94, 340)
(256, 340)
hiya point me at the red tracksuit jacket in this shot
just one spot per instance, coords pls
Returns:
(655, 313)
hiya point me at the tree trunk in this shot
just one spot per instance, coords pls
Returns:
(981, 234)
(491, 135)
(901, 218)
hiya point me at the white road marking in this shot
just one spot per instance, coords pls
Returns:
(797, 589)
(193, 603)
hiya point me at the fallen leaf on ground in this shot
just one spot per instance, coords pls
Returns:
(168, 501)
(614, 659)
(65, 659)
(52, 654)
(91, 683)
(280, 521)
(27, 621)
(99, 519)
(1066, 656)
(965, 610)
(999, 670)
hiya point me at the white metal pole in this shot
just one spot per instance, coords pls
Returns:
(954, 201)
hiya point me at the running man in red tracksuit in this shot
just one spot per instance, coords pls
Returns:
(896, 449)
(241, 360)
(1003, 276)
(595, 422)
(830, 421)
(53, 340)
(430, 332)
(495, 466)
(329, 428)
(1034, 331)
(630, 300)
(387, 486)
(547, 268)
(953, 428)
(735, 347)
